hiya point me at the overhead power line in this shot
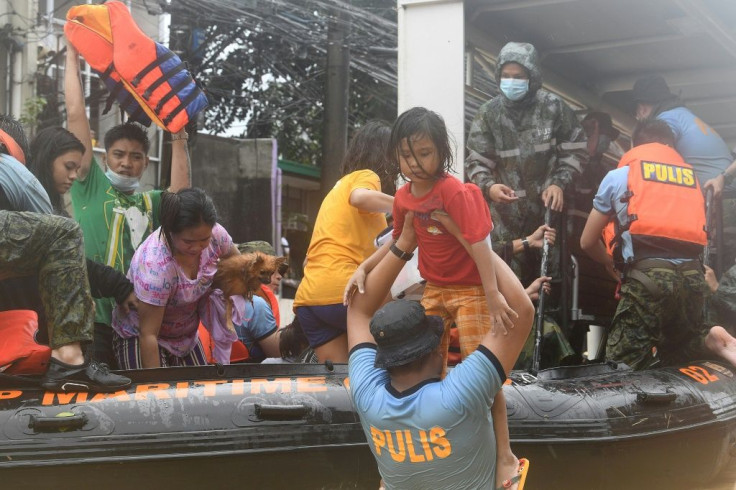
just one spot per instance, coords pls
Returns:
(372, 39)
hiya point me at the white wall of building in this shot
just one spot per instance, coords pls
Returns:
(19, 73)
(431, 63)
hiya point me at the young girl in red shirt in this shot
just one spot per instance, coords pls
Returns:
(467, 283)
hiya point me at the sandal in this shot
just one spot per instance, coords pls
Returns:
(520, 478)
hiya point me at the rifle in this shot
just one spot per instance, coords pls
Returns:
(539, 332)
(708, 223)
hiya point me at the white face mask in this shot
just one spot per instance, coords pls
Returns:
(123, 183)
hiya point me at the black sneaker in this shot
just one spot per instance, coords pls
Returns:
(90, 376)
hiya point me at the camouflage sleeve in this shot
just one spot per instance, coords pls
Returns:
(480, 164)
(724, 299)
(571, 148)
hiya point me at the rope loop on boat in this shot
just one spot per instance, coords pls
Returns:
(220, 369)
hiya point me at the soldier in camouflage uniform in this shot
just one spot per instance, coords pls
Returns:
(722, 298)
(52, 248)
(665, 327)
(659, 318)
(48, 246)
(525, 147)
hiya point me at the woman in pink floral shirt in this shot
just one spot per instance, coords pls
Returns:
(172, 273)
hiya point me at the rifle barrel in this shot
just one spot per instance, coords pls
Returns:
(708, 224)
(540, 306)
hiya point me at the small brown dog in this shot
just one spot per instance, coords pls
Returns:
(243, 275)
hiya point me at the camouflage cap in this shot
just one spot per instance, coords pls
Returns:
(256, 246)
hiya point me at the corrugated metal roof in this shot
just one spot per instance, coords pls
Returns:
(601, 47)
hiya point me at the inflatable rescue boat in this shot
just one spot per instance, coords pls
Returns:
(598, 426)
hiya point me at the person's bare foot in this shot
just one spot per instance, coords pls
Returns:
(720, 342)
(506, 468)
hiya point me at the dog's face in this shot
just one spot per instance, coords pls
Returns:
(243, 274)
(270, 266)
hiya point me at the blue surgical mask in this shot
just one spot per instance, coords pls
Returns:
(514, 88)
(123, 183)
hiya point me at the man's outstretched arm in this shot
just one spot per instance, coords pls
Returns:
(181, 168)
(377, 286)
(76, 112)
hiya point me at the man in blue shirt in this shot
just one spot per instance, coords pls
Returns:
(659, 318)
(699, 144)
(423, 431)
(258, 329)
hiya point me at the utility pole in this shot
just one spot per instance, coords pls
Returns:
(184, 42)
(335, 136)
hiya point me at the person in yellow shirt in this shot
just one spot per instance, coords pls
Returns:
(350, 217)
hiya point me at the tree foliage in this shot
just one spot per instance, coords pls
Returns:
(263, 83)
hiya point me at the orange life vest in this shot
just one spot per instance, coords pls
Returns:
(19, 351)
(239, 352)
(148, 80)
(266, 293)
(664, 201)
(12, 146)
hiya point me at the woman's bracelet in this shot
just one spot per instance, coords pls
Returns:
(177, 136)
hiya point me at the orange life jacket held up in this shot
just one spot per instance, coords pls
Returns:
(666, 209)
(148, 80)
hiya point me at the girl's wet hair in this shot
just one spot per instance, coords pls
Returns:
(48, 145)
(185, 209)
(368, 149)
(418, 122)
